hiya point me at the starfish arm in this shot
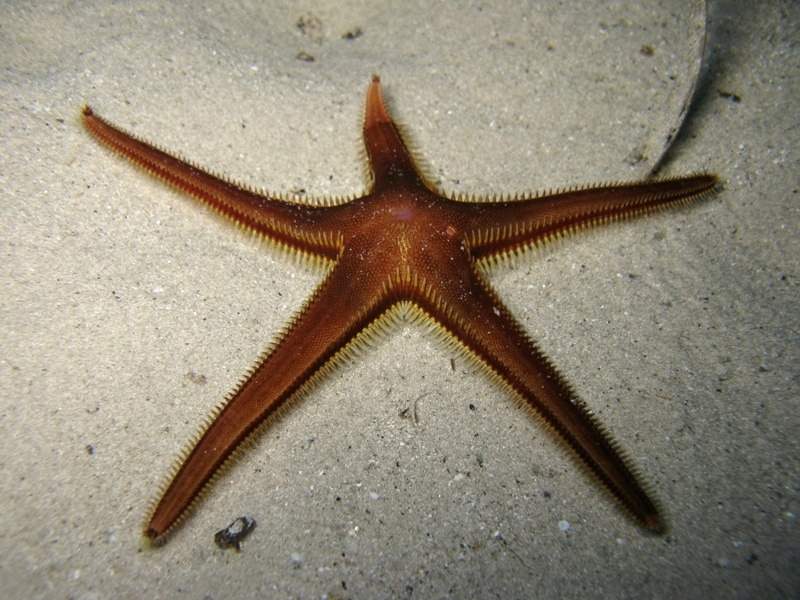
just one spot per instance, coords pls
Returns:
(288, 224)
(495, 229)
(475, 318)
(323, 334)
(390, 162)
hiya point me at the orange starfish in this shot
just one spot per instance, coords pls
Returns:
(401, 252)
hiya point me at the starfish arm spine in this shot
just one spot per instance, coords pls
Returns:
(290, 224)
(495, 229)
(478, 320)
(309, 348)
(389, 159)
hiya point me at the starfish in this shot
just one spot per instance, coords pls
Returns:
(401, 252)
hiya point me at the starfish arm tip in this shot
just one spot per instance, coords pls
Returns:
(150, 540)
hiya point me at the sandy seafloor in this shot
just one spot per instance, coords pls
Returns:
(127, 311)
